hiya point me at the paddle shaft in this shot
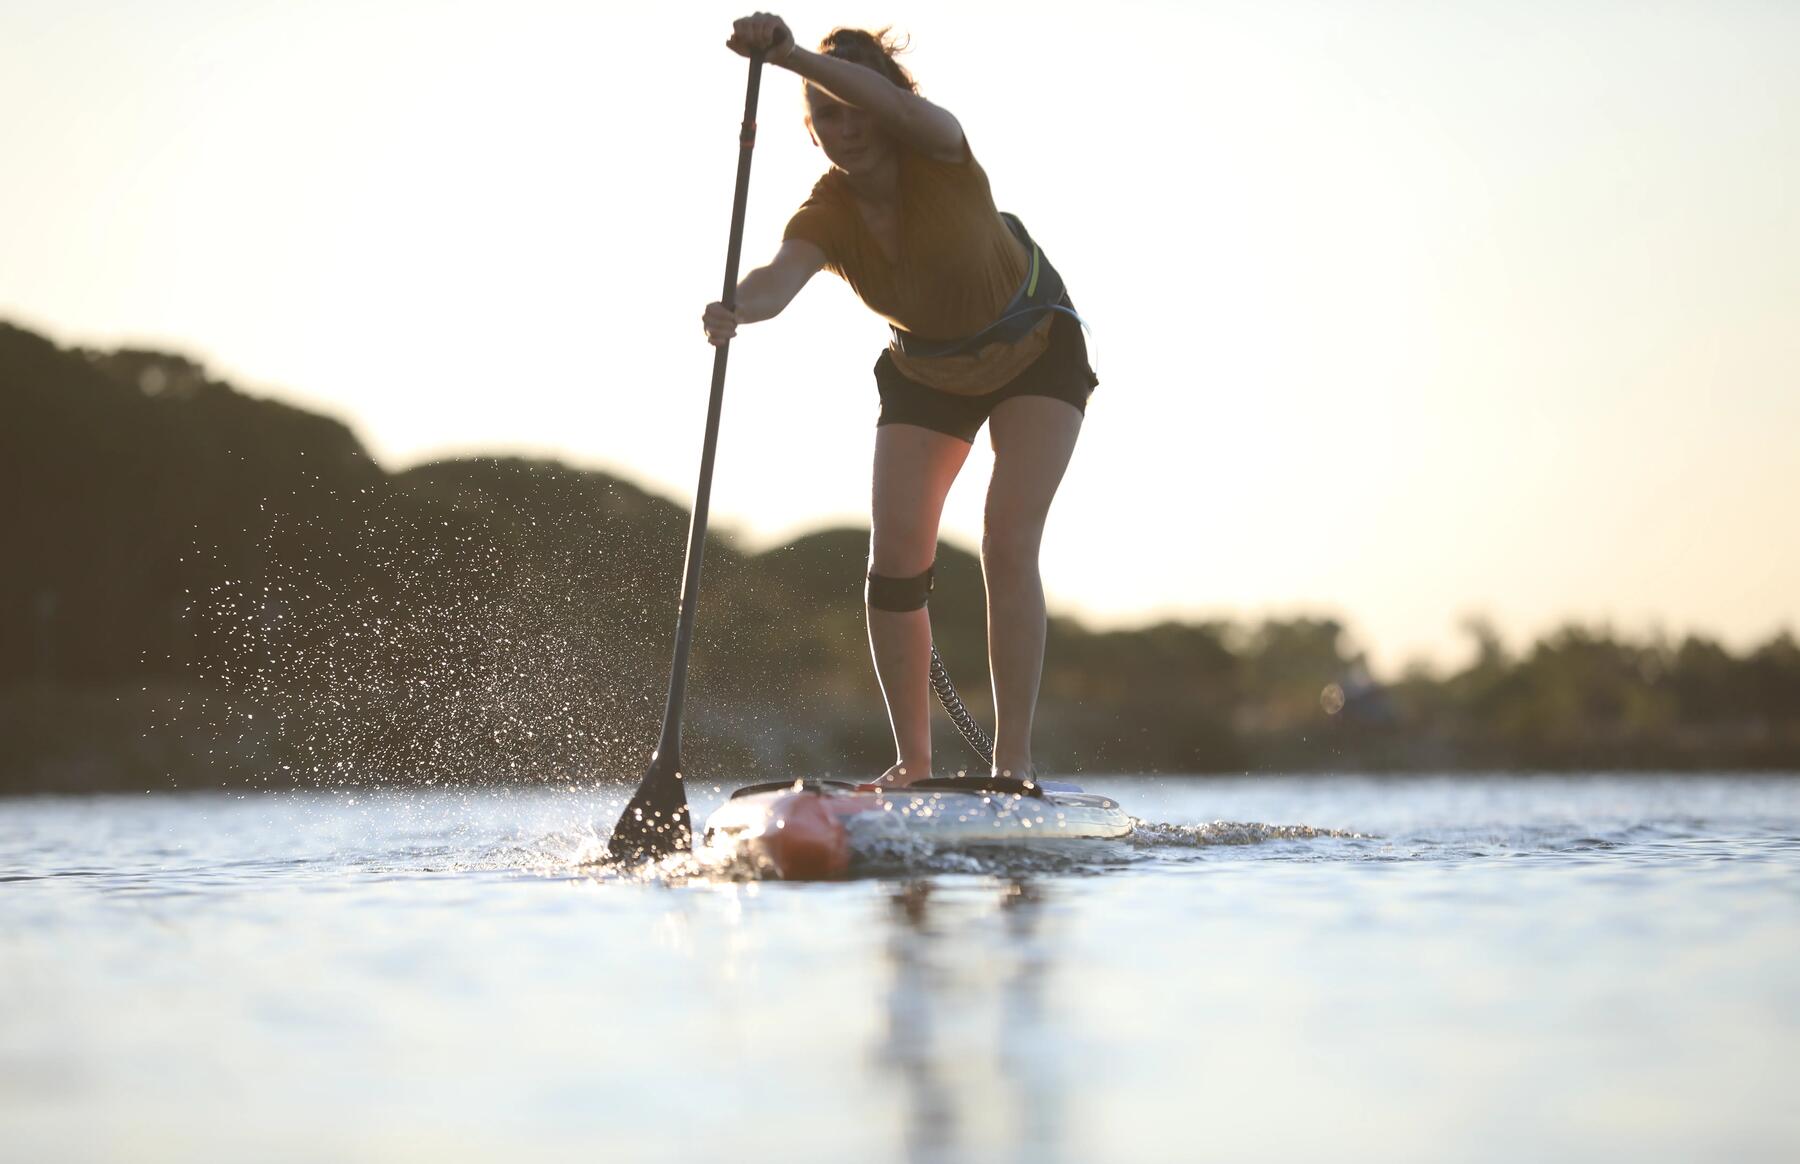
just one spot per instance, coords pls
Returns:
(655, 822)
(669, 748)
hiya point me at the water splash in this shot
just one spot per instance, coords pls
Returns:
(1156, 835)
(428, 644)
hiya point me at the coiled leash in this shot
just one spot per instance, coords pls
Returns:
(959, 714)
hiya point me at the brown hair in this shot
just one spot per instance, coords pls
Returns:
(875, 50)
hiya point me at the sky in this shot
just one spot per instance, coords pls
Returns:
(1403, 312)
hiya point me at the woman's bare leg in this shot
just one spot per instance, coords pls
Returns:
(1033, 438)
(914, 469)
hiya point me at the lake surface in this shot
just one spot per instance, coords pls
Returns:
(1496, 968)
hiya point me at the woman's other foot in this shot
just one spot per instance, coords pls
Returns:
(1024, 774)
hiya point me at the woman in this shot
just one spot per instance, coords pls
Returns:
(982, 334)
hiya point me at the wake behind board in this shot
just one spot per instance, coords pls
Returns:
(809, 829)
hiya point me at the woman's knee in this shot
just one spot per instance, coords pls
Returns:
(900, 548)
(1010, 550)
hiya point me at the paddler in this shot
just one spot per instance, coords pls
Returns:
(983, 333)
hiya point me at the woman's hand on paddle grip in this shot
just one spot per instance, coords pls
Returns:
(720, 322)
(762, 32)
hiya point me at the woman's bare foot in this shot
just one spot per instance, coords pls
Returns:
(900, 775)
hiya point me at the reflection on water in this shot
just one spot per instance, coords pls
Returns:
(965, 1035)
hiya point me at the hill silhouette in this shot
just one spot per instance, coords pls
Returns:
(205, 587)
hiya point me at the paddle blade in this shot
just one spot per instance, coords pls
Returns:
(656, 822)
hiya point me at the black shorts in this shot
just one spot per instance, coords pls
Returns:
(1062, 372)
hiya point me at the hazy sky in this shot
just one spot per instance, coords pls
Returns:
(1403, 310)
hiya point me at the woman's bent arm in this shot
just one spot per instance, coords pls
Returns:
(764, 292)
(928, 128)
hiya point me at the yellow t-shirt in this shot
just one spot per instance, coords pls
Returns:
(958, 266)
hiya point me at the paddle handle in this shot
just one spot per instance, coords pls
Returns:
(669, 748)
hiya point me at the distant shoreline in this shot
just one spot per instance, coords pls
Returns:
(215, 589)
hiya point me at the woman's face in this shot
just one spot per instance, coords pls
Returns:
(848, 135)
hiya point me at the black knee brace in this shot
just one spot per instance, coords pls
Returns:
(899, 594)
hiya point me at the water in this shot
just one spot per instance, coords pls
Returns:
(1499, 969)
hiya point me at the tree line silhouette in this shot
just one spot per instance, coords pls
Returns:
(201, 588)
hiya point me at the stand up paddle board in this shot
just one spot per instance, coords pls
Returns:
(806, 830)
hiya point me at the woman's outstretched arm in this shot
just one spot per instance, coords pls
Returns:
(764, 292)
(909, 117)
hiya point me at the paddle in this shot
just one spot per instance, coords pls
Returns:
(655, 823)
